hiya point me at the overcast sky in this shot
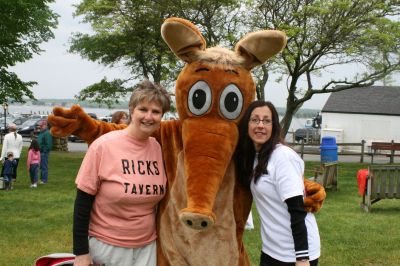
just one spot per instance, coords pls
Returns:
(62, 75)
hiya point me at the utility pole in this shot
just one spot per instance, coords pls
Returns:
(5, 107)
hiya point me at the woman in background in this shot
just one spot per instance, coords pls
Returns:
(120, 117)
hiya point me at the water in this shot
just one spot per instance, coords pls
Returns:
(46, 110)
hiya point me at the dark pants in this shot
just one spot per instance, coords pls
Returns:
(44, 164)
(266, 260)
(14, 174)
(8, 182)
(34, 172)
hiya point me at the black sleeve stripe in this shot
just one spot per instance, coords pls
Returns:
(82, 208)
(298, 225)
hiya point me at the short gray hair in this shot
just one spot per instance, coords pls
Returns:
(149, 91)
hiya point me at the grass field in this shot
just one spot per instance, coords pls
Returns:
(35, 222)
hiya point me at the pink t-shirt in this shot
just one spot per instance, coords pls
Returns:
(128, 179)
(33, 158)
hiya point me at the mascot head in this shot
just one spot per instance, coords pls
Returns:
(212, 92)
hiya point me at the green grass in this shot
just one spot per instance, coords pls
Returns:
(35, 222)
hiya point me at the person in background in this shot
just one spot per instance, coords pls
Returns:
(33, 162)
(45, 141)
(120, 117)
(8, 172)
(119, 184)
(274, 173)
(12, 143)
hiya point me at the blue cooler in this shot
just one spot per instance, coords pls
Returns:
(329, 149)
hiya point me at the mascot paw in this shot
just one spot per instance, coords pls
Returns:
(315, 196)
(65, 122)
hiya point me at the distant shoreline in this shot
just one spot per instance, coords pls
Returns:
(45, 109)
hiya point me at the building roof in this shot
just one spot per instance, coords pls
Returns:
(378, 100)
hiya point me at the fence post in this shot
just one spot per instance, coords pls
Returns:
(392, 153)
(362, 151)
(302, 148)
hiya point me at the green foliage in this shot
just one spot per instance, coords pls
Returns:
(104, 92)
(24, 25)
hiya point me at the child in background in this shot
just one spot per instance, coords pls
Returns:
(8, 171)
(33, 162)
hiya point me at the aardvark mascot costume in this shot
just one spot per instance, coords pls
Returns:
(201, 219)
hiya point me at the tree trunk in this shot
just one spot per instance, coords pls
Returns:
(261, 83)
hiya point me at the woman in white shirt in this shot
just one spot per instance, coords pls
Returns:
(274, 173)
(12, 143)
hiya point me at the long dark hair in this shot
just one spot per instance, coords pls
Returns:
(245, 151)
(34, 145)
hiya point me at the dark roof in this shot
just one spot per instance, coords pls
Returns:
(379, 100)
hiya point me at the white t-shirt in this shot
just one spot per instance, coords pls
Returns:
(284, 180)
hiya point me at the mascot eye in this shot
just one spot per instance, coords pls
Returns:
(199, 100)
(231, 102)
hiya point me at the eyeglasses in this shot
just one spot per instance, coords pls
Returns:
(256, 121)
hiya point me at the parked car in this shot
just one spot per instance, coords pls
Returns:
(27, 128)
(307, 134)
(20, 120)
(105, 118)
(74, 138)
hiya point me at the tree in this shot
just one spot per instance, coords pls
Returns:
(128, 33)
(326, 34)
(24, 25)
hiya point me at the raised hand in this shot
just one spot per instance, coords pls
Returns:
(75, 121)
(65, 122)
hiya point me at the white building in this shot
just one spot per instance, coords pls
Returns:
(370, 114)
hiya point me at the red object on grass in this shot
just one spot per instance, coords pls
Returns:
(362, 181)
(56, 259)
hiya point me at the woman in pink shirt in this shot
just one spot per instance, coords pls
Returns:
(33, 162)
(119, 184)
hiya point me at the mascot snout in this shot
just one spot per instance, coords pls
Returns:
(205, 167)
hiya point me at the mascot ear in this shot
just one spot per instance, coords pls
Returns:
(257, 47)
(183, 38)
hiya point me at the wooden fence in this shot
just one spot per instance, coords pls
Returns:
(314, 148)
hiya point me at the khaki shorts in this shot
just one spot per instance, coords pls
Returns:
(110, 255)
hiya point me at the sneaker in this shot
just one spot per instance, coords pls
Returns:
(32, 185)
(35, 185)
(42, 183)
